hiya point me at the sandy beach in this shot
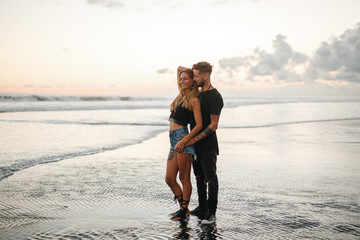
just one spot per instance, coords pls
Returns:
(295, 181)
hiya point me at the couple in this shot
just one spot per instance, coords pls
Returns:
(202, 111)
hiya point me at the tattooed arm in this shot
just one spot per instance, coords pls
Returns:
(207, 131)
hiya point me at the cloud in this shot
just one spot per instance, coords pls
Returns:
(65, 49)
(164, 71)
(107, 3)
(234, 62)
(170, 5)
(279, 65)
(275, 63)
(338, 59)
(335, 60)
(132, 4)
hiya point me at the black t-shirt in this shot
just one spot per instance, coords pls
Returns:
(211, 103)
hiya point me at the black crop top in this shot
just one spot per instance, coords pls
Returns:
(181, 116)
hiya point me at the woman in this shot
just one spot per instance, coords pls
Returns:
(184, 109)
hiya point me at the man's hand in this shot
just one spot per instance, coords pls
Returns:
(190, 142)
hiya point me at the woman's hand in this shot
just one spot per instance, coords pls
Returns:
(181, 68)
(179, 146)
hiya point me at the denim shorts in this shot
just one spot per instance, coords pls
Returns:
(176, 135)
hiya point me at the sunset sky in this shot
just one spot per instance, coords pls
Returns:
(134, 46)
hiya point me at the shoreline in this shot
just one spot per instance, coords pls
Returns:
(14, 168)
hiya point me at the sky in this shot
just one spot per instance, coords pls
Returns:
(133, 47)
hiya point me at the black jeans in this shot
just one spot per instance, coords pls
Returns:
(206, 180)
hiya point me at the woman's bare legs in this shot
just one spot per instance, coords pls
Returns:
(184, 165)
(171, 173)
(180, 162)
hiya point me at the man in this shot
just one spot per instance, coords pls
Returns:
(206, 145)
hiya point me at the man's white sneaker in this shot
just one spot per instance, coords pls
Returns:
(209, 219)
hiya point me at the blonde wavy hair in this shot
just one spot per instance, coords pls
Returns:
(185, 96)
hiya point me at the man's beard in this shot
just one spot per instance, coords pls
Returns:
(200, 84)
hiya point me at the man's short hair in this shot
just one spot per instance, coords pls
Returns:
(203, 67)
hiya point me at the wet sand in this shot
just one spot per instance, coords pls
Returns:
(295, 181)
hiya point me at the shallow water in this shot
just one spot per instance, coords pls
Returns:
(296, 181)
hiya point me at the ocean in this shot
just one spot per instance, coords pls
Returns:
(41, 130)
